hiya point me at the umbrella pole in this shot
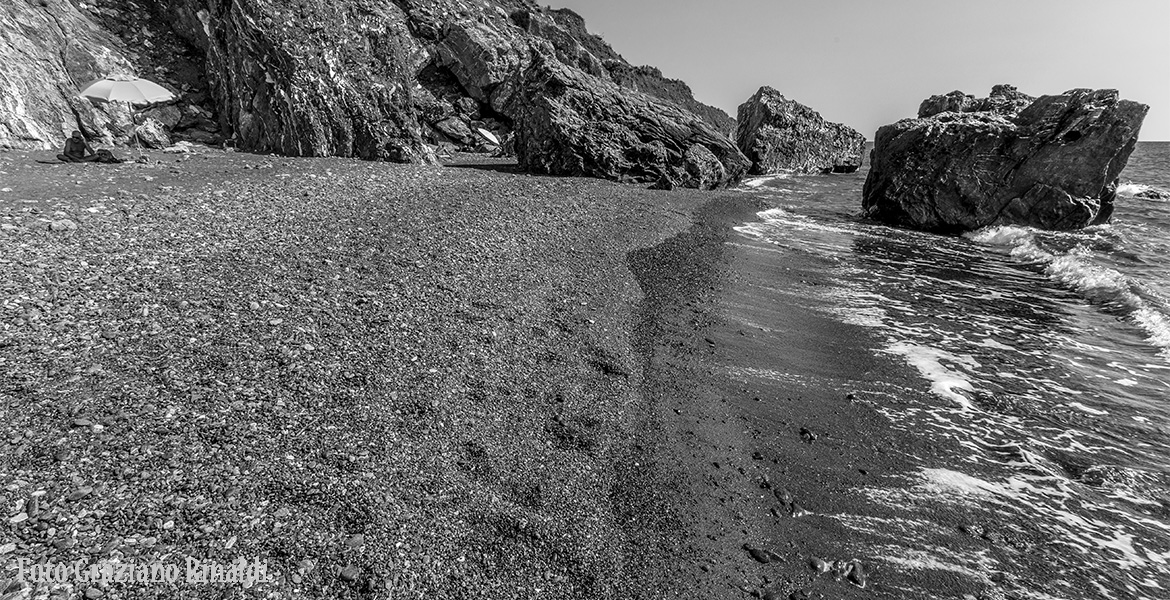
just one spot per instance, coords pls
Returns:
(137, 146)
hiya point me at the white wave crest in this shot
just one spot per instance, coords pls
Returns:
(1001, 235)
(1141, 190)
(766, 179)
(1076, 270)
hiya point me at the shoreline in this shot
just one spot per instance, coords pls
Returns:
(454, 380)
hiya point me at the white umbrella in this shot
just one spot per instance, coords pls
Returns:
(126, 89)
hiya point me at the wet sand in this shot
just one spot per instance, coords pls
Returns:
(763, 419)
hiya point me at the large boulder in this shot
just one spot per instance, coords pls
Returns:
(778, 134)
(1052, 165)
(571, 123)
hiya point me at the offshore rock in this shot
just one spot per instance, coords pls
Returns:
(1053, 165)
(571, 123)
(778, 134)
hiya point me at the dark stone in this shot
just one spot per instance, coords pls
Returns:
(1053, 165)
(169, 115)
(762, 555)
(1153, 194)
(778, 134)
(455, 129)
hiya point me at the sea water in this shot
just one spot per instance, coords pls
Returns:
(1047, 355)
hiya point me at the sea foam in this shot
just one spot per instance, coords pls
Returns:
(1077, 270)
(1131, 190)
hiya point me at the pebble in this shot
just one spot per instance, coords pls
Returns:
(20, 518)
(807, 435)
(762, 555)
(350, 573)
(799, 511)
(818, 565)
(62, 225)
(93, 593)
(79, 493)
(857, 574)
(7, 548)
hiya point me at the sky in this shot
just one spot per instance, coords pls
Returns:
(866, 63)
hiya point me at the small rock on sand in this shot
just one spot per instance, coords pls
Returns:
(350, 573)
(79, 493)
(762, 555)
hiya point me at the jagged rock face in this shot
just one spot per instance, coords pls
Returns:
(778, 134)
(376, 79)
(1004, 99)
(649, 80)
(47, 52)
(1054, 165)
(569, 123)
(308, 78)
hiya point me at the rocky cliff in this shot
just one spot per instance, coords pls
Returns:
(778, 134)
(1052, 164)
(47, 50)
(375, 79)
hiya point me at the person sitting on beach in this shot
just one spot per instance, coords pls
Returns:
(77, 150)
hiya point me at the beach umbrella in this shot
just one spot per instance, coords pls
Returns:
(126, 89)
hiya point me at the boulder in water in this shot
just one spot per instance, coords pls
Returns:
(778, 134)
(1052, 165)
(1153, 194)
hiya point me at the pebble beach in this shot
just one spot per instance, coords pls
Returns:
(390, 381)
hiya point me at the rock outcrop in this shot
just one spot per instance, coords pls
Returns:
(374, 79)
(574, 124)
(47, 51)
(1004, 99)
(1053, 165)
(777, 134)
